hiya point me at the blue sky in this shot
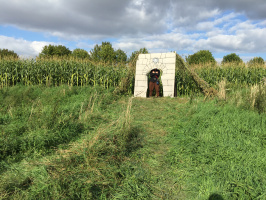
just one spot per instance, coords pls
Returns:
(222, 27)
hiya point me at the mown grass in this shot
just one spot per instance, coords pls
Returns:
(90, 143)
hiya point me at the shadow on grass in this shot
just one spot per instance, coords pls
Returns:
(96, 191)
(20, 185)
(133, 140)
(215, 196)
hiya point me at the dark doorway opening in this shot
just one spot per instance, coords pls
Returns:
(157, 82)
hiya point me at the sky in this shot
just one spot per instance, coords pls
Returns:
(161, 26)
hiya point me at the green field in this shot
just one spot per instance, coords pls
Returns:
(90, 142)
(71, 72)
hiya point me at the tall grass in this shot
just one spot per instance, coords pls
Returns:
(65, 142)
(37, 119)
(72, 142)
(250, 98)
(219, 150)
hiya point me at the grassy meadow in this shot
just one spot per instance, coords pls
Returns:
(64, 137)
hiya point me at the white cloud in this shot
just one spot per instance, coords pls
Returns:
(116, 18)
(158, 25)
(22, 47)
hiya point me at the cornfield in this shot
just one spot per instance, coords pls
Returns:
(58, 72)
(235, 76)
(80, 73)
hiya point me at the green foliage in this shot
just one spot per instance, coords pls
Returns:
(232, 58)
(59, 71)
(54, 51)
(237, 76)
(5, 53)
(121, 56)
(180, 63)
(80, 54)
(256, 61)
(79, 72)
(105, 53)
(201, 57)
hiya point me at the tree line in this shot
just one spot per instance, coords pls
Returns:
(105, 53)
(206, 57)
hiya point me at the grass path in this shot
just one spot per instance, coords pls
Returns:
(154, 115)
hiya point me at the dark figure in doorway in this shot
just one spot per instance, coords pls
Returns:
(154, 82)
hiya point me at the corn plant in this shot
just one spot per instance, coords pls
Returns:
(58, 72)
(52, 72)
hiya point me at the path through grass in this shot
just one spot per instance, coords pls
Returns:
(97, 145)
(155, 116)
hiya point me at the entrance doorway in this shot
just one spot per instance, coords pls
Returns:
(155, 86)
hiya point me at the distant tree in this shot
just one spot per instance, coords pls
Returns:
(134, 56)
(201, 57)
(256, 61)
(107, 52)
(232, 58)
(95, 53)
(121, 56)
(80, 53)
(103, 53)
(53, 50)
(7, 53)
